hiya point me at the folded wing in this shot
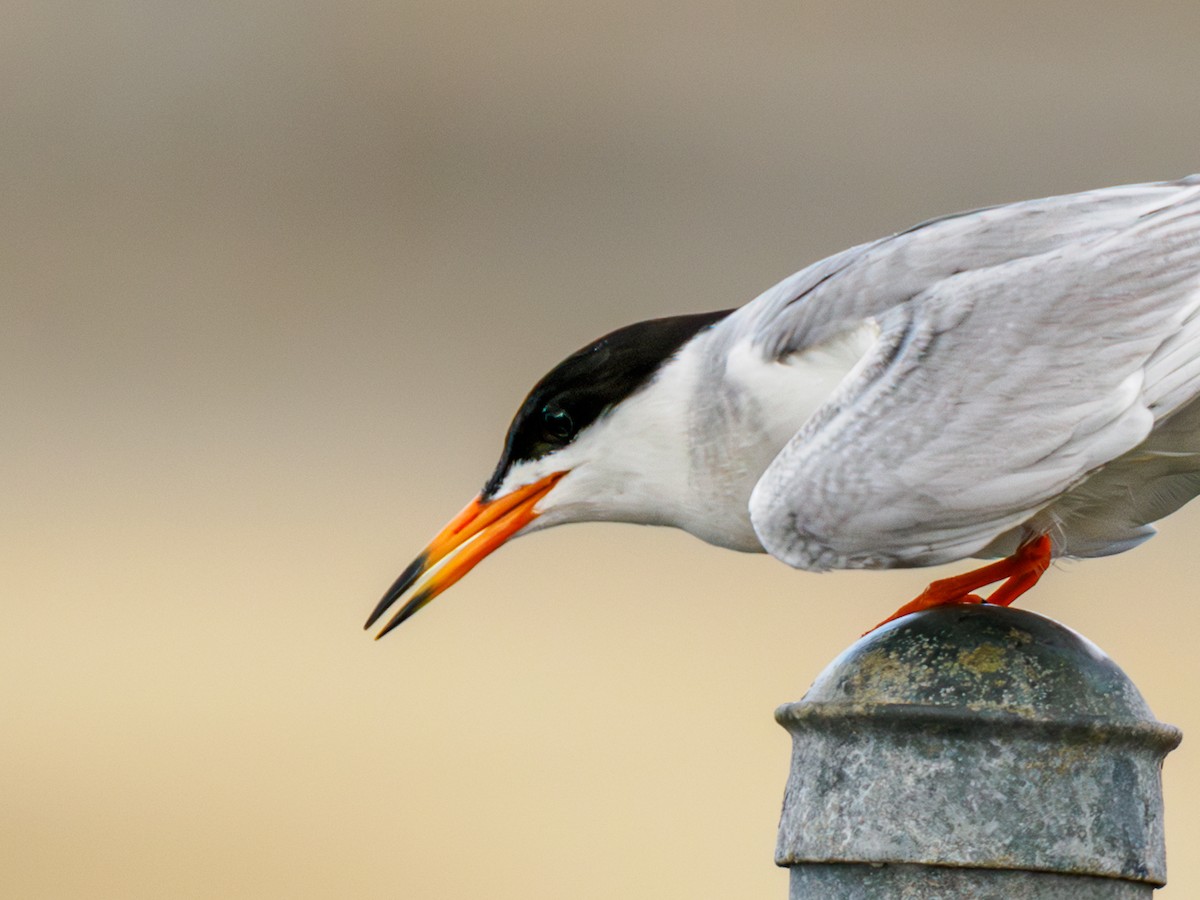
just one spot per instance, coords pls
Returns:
(1021, 350)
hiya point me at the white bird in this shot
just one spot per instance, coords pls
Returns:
(1019, 381)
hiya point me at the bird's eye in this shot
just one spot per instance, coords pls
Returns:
(558, 422)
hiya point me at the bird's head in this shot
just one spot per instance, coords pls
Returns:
(568, 456)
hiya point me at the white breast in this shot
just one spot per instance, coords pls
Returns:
(743, 409)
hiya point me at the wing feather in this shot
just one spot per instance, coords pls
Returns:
(1021, 350)
(868, 279)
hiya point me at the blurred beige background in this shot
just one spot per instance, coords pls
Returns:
(274, 278)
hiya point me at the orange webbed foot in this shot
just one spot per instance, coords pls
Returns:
(1019, 573)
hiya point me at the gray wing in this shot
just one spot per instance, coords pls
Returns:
(1021, 349)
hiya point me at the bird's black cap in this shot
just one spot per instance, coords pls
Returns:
(590, 382)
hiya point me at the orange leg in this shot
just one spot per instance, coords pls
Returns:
(1019, 573)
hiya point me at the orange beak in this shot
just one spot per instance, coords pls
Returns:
(480, 528)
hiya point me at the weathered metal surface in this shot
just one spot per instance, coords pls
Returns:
(840, 881)
(974, 745)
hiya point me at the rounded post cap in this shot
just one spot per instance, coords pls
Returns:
(984, 658)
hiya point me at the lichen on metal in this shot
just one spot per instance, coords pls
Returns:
(991, 742)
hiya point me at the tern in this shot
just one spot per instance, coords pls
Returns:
(1016, 383)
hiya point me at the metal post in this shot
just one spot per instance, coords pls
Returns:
(972, 753)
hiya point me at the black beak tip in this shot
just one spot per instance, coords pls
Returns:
(406, 612)
(414, 571)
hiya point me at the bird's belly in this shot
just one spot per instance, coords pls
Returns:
(1111, 510)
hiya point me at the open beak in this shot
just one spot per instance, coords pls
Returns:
(480, 528)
